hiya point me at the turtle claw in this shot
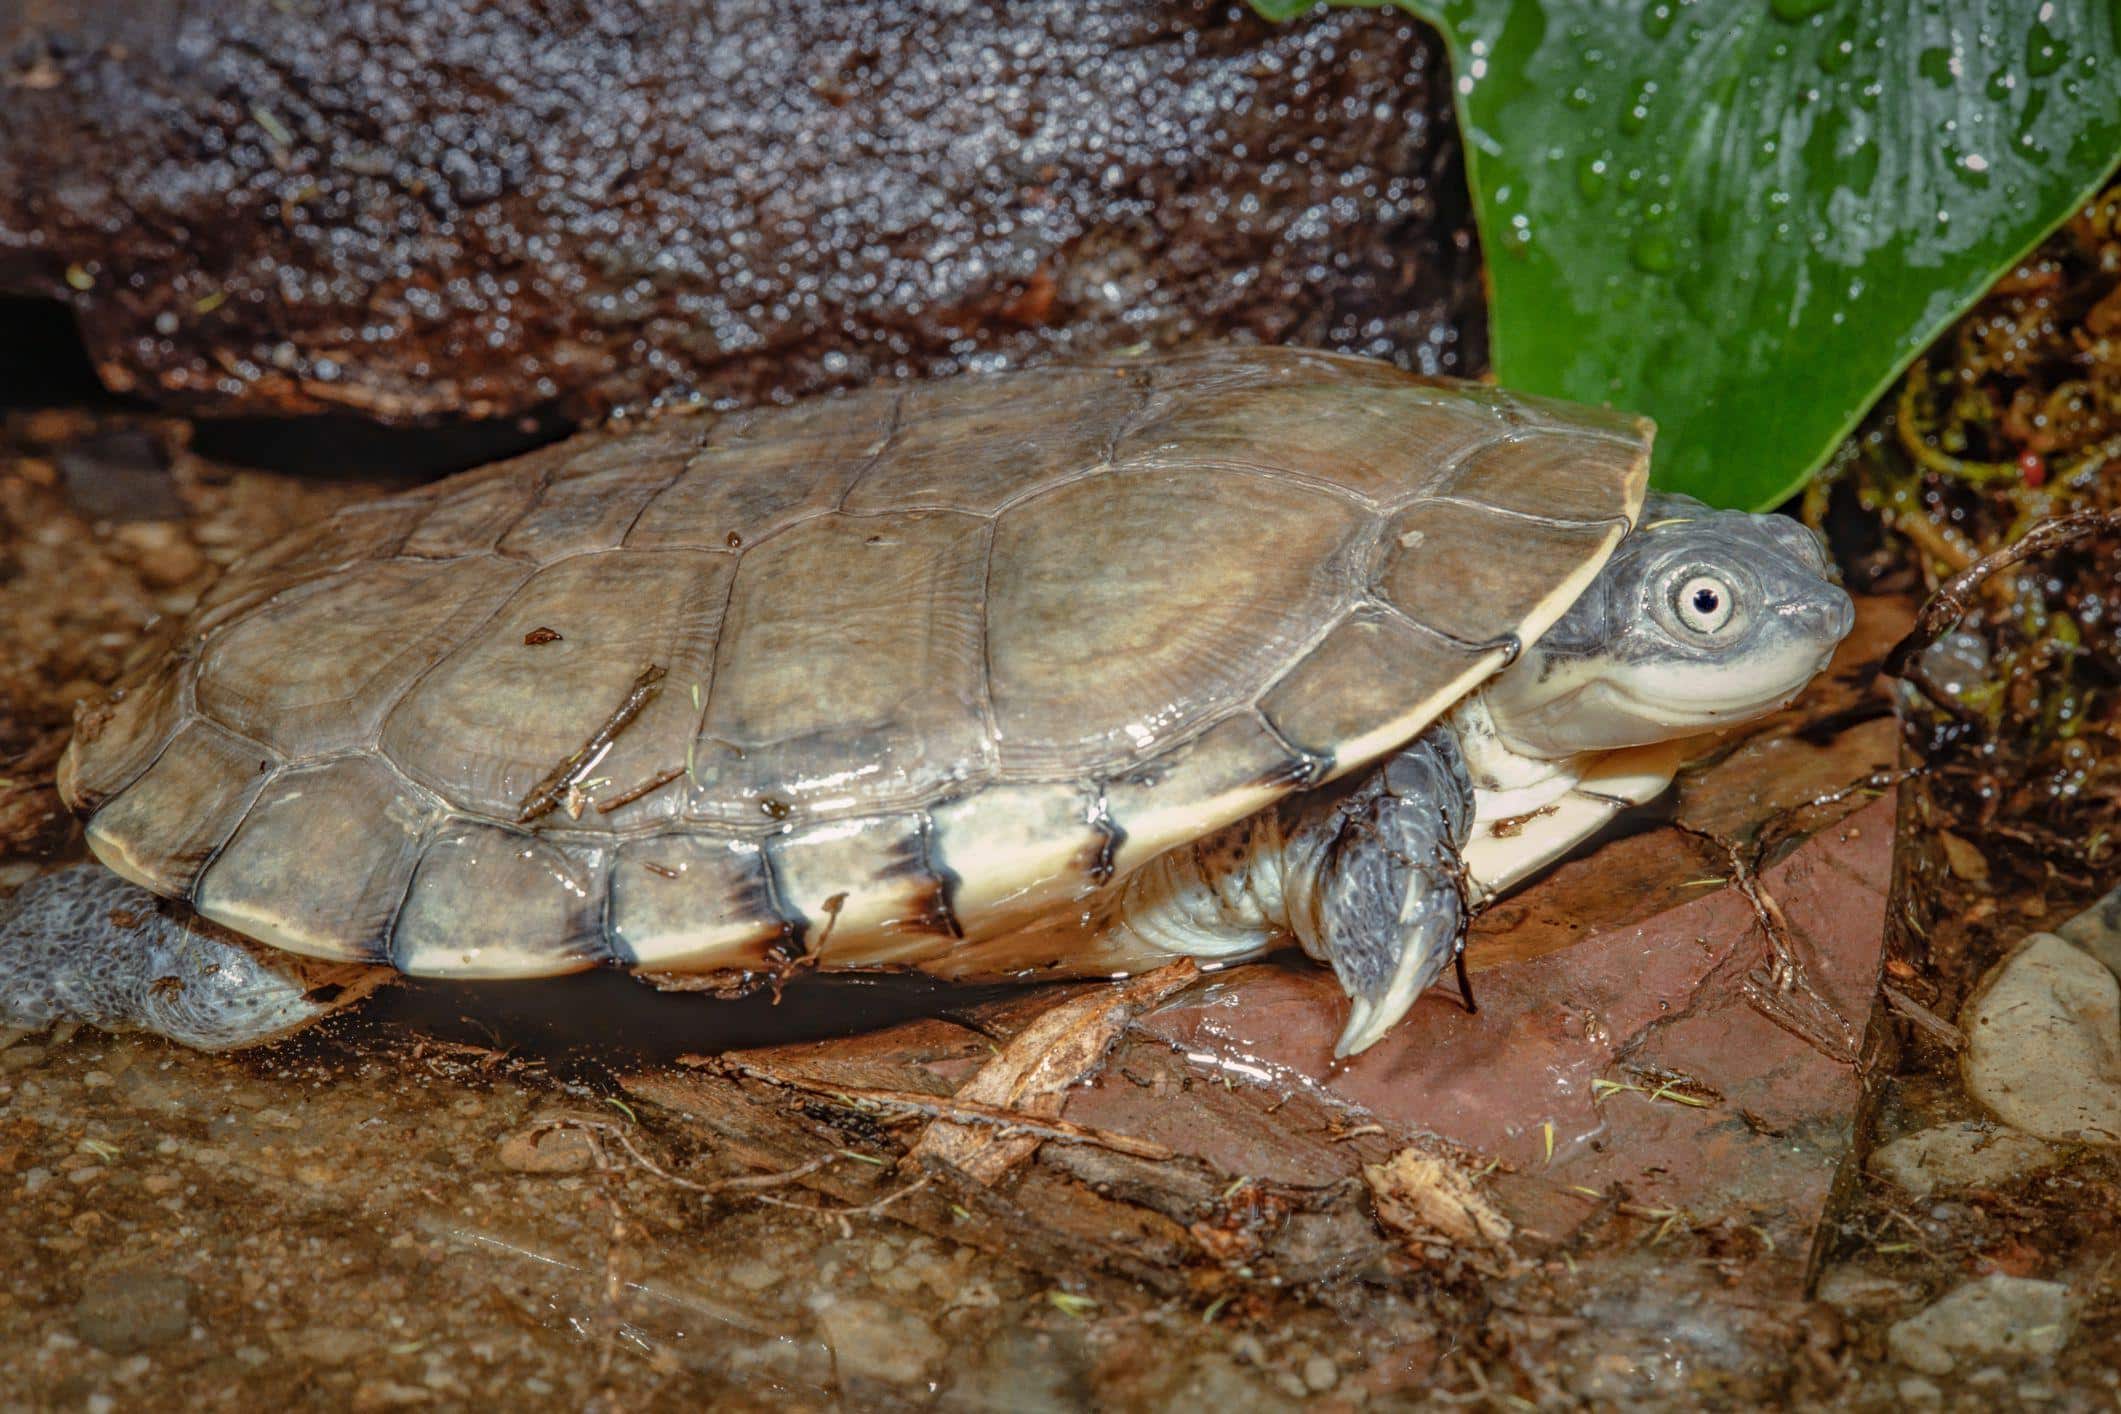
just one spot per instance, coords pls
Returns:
(1371, 1015)
(1391, 890)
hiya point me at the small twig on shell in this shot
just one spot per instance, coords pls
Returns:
(548, 793)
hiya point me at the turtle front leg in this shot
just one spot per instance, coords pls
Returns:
(85, 945)
(1376, 886)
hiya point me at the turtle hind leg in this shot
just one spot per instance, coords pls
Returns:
(1388, 904)
(84, 945)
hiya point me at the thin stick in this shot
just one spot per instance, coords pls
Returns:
(1923, 1018)
(1952, 599)
(548, 793)
(741, 1183)
(648, 787)
(966, 1112)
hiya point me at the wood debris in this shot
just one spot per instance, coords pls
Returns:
(1032, 1075)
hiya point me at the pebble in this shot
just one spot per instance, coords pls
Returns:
(2043, 1042)
(161, 552)
(1246, 1346)
(1969, 1154)
(1320, 1374)
(1994, 1316)
(547, 1151)
(121, 1312)
(875, 1340)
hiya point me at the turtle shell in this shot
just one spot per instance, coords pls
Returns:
(883, 678)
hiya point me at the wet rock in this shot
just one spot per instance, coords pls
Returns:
(257, 208)
(121, 1312)
(875, 1341)
(1994, 1317)
(2043, 1042)
(547, 1151)
(1963, 1155)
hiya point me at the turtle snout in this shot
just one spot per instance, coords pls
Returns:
(1827, 616)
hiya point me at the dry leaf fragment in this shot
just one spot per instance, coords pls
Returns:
(1034, 1072)
(1423, 1195)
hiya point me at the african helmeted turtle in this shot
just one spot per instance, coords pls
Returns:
(1058, 672)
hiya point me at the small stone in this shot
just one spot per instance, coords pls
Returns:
(160, 551)
(17, 1058)
(1246, 1346)
(1993, 1317)
(121, 1312)
(1968, 1154)
(1855, 1291)
(1916, 1390)
(547, 1151)
(874, 1340)
(331, 1345)
(751, 1276)
(95, 1079)
(1320, 1374)
(2043, 1042)
(36, 1179)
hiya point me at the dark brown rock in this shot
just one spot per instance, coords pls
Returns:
(414, 209)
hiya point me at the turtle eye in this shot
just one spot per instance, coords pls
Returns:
(1703, 603)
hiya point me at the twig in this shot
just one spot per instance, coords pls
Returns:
(1785, 978)
(964, 1112)
(1923, 1018)
(744, 1183)
(548, 793)
(648, 787)
(1951, 601)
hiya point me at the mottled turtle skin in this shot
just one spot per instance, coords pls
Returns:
(903, 678)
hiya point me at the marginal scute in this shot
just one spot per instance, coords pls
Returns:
(161, 830)
(1461, 569)
(975, 455)
(848, 676)
(864, 890)
(314, 669)
(1556, 473)
(694, 902)
(321, 862)
(1017, 852)
(1370, 685)
(1126, 608)
(494, 719)
(492, 902)
(1235, 767)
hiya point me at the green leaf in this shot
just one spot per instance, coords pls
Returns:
(1744, 217)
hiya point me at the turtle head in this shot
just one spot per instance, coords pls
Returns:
(1699, 619)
